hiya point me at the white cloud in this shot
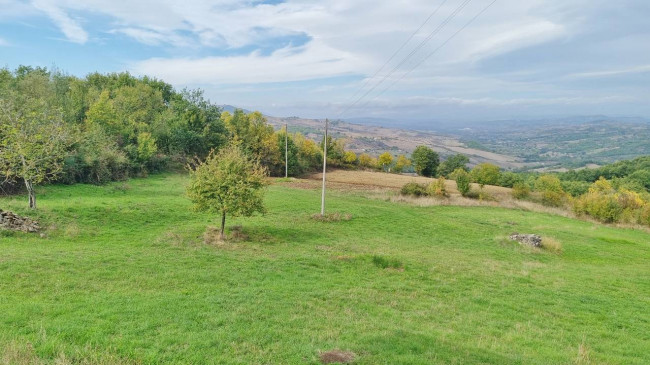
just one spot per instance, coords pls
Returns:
(315, 60)
(70, 27)
(3, 43)
(609, 73)
(515, 36)
(154, 38)
(515, 54)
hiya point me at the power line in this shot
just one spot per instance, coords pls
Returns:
(434, 51)
(399, 49)
(415, 50)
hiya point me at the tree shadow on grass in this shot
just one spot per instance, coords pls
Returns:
(269, 234)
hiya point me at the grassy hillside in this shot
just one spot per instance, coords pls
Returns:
(124, 277)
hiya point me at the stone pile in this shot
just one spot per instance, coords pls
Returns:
(527, 239)
(11, 221)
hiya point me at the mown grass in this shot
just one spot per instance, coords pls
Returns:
(124, 276)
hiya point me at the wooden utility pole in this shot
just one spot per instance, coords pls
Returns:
(322, 204)
(286, 151)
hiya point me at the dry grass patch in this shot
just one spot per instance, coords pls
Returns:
(337, 357)
(551, 244)
(176, 239)
(583, 357)
(331, 217)
(14, 353)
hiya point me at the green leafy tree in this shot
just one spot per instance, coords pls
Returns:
(310, 157)
(229, 183)
(385, 160)
(146, 147)
(335, 150)
(486, 174)
(294, 164)
(457, 161)
(425, 161)
(33, 136)
(510, 179)
(255, 136)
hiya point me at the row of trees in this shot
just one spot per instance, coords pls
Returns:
(104, 127)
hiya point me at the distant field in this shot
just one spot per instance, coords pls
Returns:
(124, 277)
(376, 140)
(564, 145)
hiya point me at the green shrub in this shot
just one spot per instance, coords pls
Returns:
(486, 174)
(414, 189)
(575, 188)
(644, 215)
(510, 179)
(462, 179)
(437, 188)
(520, 190)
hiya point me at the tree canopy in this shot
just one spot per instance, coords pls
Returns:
(425, 161)
(229, 183)
(33, 138)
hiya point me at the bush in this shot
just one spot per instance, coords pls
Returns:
(575, 188)
(462, 179)
(510, 179)
(486, 174)
(437, 188)
(604, 207)
(644, 215)
(606, 204)
(414, 189)
(551, 190)
(520, 190)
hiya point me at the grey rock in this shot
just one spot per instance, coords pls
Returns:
(527, 239)
(13, 222)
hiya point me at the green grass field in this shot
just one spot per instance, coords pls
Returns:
(124, 277)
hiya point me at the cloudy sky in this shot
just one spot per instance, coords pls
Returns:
(441, 59)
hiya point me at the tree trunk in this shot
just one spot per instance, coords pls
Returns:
(32, 194)
(223, 226)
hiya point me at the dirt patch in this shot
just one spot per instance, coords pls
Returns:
(337, 357)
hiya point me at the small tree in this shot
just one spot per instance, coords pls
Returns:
(401, 164)
(228, 182)
(385, 160)
(350, 157)
(425, 161)
(366, 160)
(551, 190)
(33, 137)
